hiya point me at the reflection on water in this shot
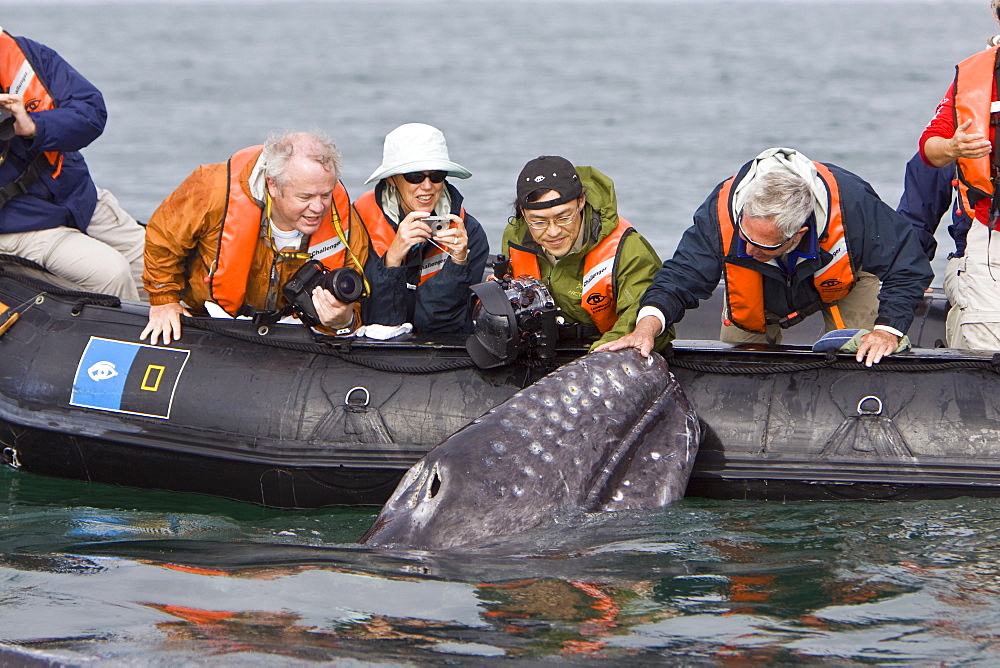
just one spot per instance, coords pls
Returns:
(84, 574)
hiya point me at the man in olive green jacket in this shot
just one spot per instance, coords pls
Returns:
(567, 233)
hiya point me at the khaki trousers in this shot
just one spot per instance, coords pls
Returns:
(859, 309)
(107, 259)
(972, 285)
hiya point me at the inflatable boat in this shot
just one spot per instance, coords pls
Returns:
(273, 414)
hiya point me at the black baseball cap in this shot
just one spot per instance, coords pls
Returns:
(548, 172)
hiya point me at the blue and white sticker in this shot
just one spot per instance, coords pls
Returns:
(125, 377)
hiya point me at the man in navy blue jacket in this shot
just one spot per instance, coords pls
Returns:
(776, 273)
(928, 193)
(50, 210)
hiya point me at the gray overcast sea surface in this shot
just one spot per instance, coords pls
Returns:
(668, 98)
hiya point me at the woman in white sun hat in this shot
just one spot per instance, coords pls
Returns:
(425, 249)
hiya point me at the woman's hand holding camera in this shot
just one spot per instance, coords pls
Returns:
(411, 231)
(454, 240)
(415, 229)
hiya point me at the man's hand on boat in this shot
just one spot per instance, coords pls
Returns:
(332, 312)
(165, 320)
(642, 337)
(875, 345)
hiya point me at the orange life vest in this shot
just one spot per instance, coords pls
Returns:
(241, 226)
(17, 77)
(745, 286)
(973, 99)
(381, 232)
(598, 286)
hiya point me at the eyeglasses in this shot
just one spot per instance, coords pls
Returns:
(544, 224)
(416, 178)
(765, 247)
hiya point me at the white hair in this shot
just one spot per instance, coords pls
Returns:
(781, 195)
(316, 146)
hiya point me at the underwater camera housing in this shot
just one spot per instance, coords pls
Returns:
(345, 283)
(512, 317)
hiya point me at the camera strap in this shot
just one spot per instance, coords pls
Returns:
(24, 180)
(335, 219)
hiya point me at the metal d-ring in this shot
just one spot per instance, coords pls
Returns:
(862, 411)
(10, 455)
(347, 397)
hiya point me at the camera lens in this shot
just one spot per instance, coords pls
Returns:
(345, 283)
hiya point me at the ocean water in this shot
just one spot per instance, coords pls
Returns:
(666, 97)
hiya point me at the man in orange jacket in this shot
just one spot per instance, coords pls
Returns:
(233, 233)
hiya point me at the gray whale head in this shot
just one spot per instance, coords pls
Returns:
(609, 431)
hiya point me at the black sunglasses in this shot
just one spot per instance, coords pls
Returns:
(415, 178)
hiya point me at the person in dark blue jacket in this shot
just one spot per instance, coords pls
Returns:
(928, 193)
(426, 249)
(784, 258)
(50, 210)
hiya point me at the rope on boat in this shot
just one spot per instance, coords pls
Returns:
(831, 362)
(316, 348)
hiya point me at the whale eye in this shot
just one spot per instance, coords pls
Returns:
(596, 391)
(628, 369)
(547, 457)
(573, 389)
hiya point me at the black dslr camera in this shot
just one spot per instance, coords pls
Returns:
(346, 284)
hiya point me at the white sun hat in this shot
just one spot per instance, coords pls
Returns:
(416, 147)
